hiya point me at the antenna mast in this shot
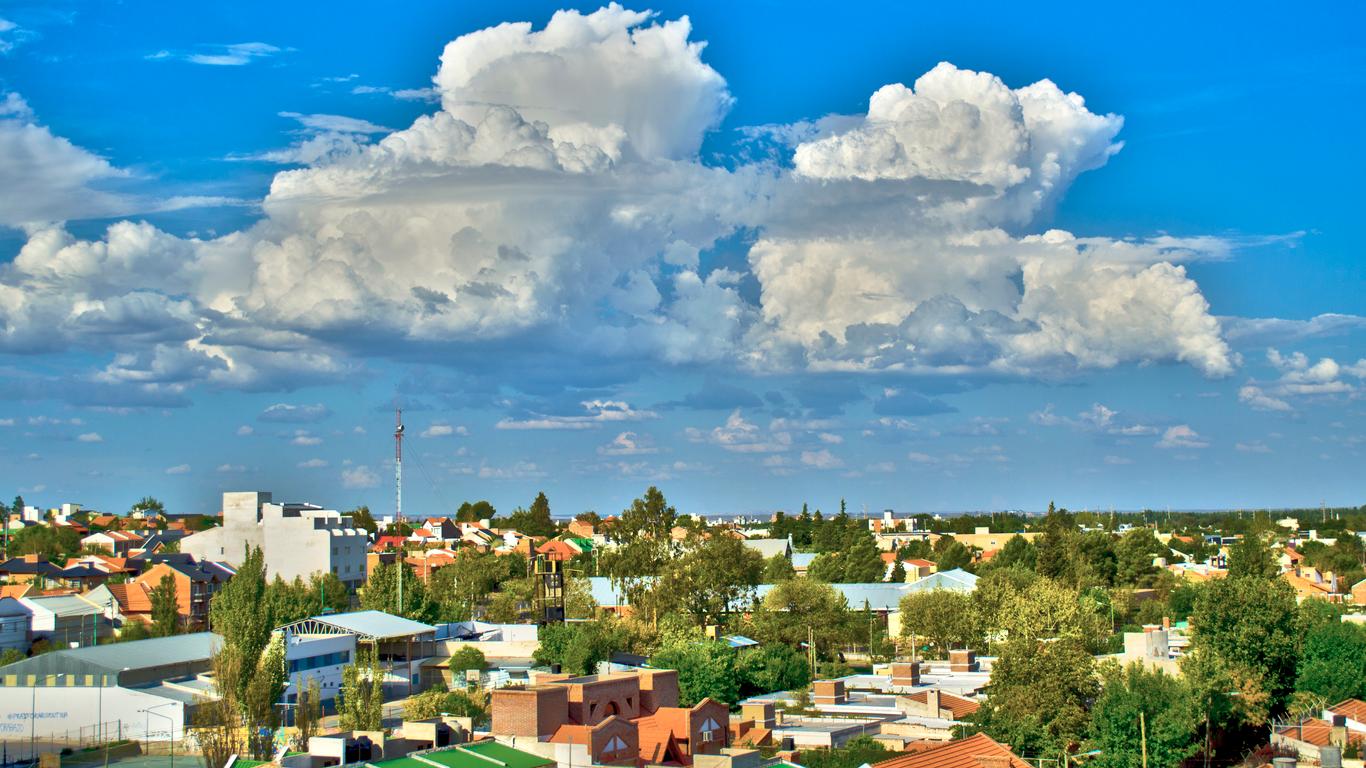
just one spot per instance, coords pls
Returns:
(398, 465)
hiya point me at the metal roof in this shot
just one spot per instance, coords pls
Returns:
(372, 625)
(957, 580)
(62, 605)
(118, 657)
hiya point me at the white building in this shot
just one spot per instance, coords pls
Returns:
(297, 539)
(136, 690)
(319, 648)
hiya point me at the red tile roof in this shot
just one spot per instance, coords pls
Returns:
(963, 753)
(1354, 709)
(1315, 731)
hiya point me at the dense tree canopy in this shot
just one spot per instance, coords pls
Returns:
(1170, 722)
(1040, 697)
(1250, 624)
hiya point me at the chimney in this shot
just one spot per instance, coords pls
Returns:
(993, 761)
(1167, 622)
(1338, 735)
(829, 692)
(932, 702)
(962, 661)
(905, 674)
(761, 714)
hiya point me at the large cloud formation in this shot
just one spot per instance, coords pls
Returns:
(557, 199)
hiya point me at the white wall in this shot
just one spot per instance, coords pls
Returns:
(329, 677)
(61, 712)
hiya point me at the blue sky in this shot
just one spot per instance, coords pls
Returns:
(602, 257)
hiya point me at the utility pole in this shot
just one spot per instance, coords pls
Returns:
(811, 648)
(1143, 737)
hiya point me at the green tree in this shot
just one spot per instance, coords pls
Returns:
(361, 701)
(800, 608)
(264, 689)
(1045, 609)
(535, 521)
(473, 513)
(1040, 697)
(579, 647)
(773, 667)
(862, 563)
(827, 567)
(1018, 552)
(1250, 624)
(56, 543)
(711, 579)
(1134, 554)
(382, 593)
(165, 609)
(1055, 546)
(1181, 601)
(147, 504)
(465, 658)
(777, 568)
(308, 713)
(898, 574)
(133, 630)
(470, 580)
(1333, 664)
(942, 617)
(1251, 557)
(1170, 721)
(430, 703)
(643, 545)
(950, 553)
(705, 669)
(362, 519)
(466, 704)
(236, 614)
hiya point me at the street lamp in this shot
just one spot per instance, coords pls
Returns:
(169, 719)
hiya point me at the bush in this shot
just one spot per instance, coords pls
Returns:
(430, 703)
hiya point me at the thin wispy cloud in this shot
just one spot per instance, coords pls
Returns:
(229, 55)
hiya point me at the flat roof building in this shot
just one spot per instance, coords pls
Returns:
(296, 539)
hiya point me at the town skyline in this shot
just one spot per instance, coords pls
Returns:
(753, 277)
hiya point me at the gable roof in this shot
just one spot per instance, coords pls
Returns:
(769, 547)
(376, 625)
(963, 753)
(956, 579)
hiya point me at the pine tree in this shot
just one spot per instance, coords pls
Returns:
(898, 573)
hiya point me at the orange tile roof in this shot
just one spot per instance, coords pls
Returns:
(963, 753)
(919, 563)
(959, 706)
(16, 590)
(1352, 708)
(1315, 731)
(1306, 586)
(132, 597)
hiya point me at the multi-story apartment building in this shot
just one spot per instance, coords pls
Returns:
(297, 539)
